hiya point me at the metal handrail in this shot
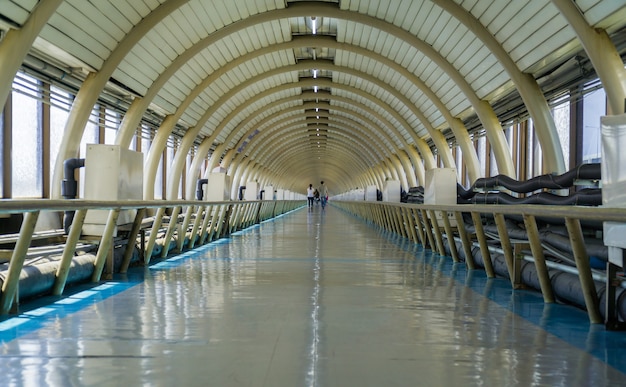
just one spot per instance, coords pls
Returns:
(212, 220)
(426, 223)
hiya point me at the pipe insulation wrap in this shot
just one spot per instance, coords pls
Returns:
(38, 279)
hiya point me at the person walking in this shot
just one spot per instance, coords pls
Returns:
(323, 193)
(310, 194)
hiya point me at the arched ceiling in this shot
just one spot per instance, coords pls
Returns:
(265, 77)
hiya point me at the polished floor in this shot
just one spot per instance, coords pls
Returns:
(313, 298)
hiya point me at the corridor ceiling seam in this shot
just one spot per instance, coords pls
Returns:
(331, 11)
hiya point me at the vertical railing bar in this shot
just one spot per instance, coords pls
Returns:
(532, 232)
(451, 242)
(410, 220)
(194, 236)
(180, 241)
(169, 234)
(584, 269)
(210, 212)
(505, 244)
(106, 242)
(132, 238)
(437, 232)
(419, 227)
(11, 282)
(68, 252)
(222, 224)
(465, 240)
(428, 230)
(482, 241)
(156, 225)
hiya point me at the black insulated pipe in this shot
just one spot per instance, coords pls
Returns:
(199, 190)
(241, 189)
(69, 187)
(566, 180)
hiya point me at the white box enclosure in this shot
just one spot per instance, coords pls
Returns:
(613, 167)
(391, 191)
(111, 173)
(440, 188)
(218, 187)
(370, 193)
(252, 190)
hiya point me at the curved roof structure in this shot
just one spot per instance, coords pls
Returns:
(347, 91)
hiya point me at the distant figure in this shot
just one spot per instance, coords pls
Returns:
(323, 193)
(310, 195)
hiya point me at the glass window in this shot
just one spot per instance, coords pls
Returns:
(530, 159)
(90, 135)
(145, 140)
(60, 102)
(170, 158)
(459, 164)
(133, 141)
(594, 106)
(27, 141)
(482, 156)
(561, 120)
(158, 181)
(493, 165)
(111, 125)
(535, 151)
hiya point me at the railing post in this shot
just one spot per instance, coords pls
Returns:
(106, 243)
(505, 243)
(482, 241)
(170, 231)
(12, 280)
(132, 237)
(437, 232)
(450, 235)
(428, 230)
(180, 241)
(196, 226)
(465, 240)
(540, 261)
(419, 228)
(584, 269)
(68, 252)
(156, 225)
(224, 220)
(410, 224)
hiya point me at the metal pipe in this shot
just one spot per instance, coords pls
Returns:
(199, 190)
(69, 187)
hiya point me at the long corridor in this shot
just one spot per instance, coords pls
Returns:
(312, 298)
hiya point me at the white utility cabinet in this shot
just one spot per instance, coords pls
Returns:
(111, 173)
(218, 187)
(440, 188)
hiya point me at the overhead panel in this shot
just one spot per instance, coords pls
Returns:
(17, 12)
(609, 15)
